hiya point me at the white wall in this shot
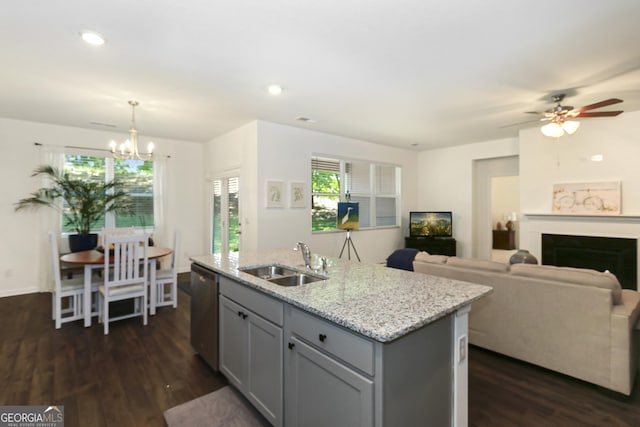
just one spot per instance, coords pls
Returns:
(445, 183)
(23, 235)
(445, 178)
(284, 153)
(545, 161)
(235, 154)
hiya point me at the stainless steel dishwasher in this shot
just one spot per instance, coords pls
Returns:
(204, 314)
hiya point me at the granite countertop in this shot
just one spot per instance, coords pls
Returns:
(376, 301)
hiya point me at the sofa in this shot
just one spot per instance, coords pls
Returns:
(578, 322)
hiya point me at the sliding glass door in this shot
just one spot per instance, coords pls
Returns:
(225, 221)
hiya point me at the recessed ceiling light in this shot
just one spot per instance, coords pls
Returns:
(275, 90)
(92, 38)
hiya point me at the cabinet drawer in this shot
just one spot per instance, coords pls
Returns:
(267, 307)
(345, 345)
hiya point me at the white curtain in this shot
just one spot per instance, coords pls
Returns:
(161, 235)
(50, 219)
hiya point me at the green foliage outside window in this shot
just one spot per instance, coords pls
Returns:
(325, 188)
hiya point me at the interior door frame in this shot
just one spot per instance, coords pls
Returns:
(483, 171)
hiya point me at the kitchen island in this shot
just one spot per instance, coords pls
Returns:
(369, 345)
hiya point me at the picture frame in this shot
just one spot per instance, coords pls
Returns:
(587, 198)
(297, 196)
(348, 216)
(275, 194)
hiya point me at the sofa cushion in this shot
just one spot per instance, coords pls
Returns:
(579, 276)
(433, 259)
(402, 258)
(478, 264)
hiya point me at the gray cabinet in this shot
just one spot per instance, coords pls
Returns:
(299, 369)
(323, 392)
(233, 342)
(336, 377)
(251, 346)
(329, 374)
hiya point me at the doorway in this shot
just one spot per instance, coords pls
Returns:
(484, 199)
(225, 215)
(505, 212)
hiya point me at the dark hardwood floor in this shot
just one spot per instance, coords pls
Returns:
(131, 376)
(127, 378)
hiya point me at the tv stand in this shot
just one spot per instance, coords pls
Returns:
(433, 245)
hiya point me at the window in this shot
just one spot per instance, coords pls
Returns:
(376, 187)
(135, 178)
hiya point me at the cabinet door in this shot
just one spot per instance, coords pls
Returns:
(233, 342)
(322, 392)
(264, 379)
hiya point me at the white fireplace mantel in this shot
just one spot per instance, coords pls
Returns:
(572, 217)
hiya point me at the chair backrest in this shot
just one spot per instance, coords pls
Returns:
(117, 231)
(176, 248)
(127, 256)
(55, 260)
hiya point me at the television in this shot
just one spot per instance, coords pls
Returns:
(430, 224)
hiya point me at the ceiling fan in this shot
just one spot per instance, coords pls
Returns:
(560, 117)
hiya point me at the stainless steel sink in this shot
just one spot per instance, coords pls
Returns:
(296, 279)
(281, 275)
(268, 272)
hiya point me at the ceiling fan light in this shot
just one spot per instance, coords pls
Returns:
(552, 130)
(570, 126)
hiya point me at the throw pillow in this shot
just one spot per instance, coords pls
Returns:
(402, 259)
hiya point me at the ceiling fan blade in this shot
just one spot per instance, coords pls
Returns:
(599, 114)
(600, 104)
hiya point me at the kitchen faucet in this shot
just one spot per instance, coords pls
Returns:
(306, 253)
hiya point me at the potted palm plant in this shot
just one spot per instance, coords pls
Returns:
(86, 202)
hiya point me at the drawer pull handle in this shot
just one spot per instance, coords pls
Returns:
(243, 315)
(291, 345)
(322, 337)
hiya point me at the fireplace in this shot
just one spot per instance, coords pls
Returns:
(618, 255)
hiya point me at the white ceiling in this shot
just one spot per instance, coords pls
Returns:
(431, 73)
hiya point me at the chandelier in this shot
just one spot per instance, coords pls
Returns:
(128, 150)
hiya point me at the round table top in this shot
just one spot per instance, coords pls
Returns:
(94, 257)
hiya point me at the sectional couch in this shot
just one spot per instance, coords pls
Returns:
(575, 321)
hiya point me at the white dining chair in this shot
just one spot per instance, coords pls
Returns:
(127, 278)
(69, 291)
(167, 279)
(117, 231)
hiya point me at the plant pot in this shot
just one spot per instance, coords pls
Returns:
(82, 242)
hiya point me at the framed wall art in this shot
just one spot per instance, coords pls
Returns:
(297, 197)
(587, 198)
(275, 194)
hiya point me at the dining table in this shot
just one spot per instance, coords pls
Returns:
(94, 259)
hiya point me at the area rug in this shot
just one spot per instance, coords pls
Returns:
(222, 408)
